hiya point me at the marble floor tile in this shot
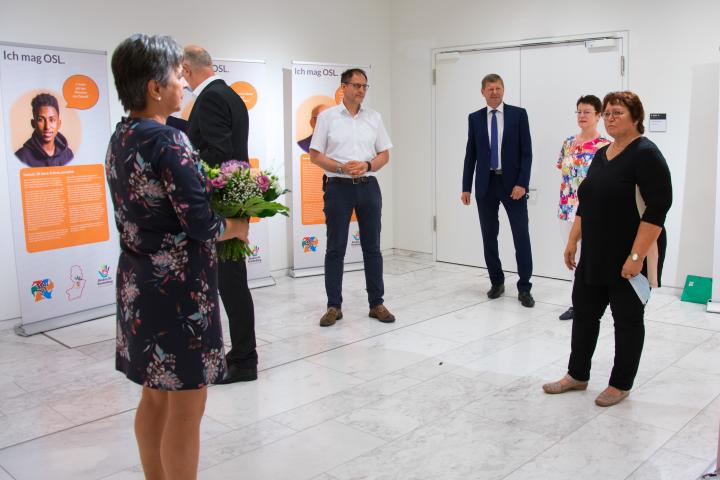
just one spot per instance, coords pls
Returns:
(333, 406)
(459, 446)
(670, 399)
(403, 412)
(304, 455)
(100, 350)
(604, 448)
(277, 390)
(29, 424)
(85, 333)
(378, 356)
(14, 349)
(4, 475)
(521, 358)
(669, 465)
(698, 438)
(705, 358)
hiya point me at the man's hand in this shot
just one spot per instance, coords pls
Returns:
(570, 253)
(517, 192)
(355, 168)
(465, 198)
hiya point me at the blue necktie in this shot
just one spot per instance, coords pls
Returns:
(494, 157)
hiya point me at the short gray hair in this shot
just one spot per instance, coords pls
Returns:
(139, 59)
(197, 56)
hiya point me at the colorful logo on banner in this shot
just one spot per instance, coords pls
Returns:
(42, 289)
(355, 238)
(309, 244)
(77, 283)
(104, 276)
(254, 254)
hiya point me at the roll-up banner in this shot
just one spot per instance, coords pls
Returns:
(56, 130)
(312, 85)
(247, 78)
(713, 304)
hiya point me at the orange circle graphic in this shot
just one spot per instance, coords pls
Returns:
(247, 92)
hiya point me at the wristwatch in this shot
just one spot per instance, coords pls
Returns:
(634, 256)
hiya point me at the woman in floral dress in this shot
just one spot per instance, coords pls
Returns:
(169, 338)
(576, 155)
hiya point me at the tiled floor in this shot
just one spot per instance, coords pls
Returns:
(450, 391)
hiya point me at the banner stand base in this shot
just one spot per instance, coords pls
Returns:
(713, 306)
(268, 281)
(27, 329)
(309, 272)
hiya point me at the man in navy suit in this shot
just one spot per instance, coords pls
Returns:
(499, 153)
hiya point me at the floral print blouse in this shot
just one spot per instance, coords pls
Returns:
(574, 162)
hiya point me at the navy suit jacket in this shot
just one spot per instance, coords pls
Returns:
(516, 154)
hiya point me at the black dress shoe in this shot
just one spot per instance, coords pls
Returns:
(526, 299)
(568, 314)
(496, 291)
(237, 374)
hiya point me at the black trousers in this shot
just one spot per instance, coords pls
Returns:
(589, 304)
(517, 212)
(340, 200)
(235, 294)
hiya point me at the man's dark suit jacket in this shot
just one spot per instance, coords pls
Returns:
(218, 124)
(516, 153)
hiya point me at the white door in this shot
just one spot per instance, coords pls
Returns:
(553, 78)
(546, 80)
(458, 84)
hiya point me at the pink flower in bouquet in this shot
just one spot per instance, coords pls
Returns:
(263, 182)
(219, 181)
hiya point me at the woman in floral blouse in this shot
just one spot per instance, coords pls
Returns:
(169, 338)
(576, 155)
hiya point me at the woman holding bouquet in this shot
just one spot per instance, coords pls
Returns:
(169, 338)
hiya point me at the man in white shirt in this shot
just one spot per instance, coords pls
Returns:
(350, 143)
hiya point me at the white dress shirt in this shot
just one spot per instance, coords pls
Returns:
(500, 115)
(198, 90)
(344, 137)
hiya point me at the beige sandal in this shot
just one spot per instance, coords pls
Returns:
(565, 384)
(607, 399)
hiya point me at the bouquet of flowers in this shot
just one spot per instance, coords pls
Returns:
(242, 192)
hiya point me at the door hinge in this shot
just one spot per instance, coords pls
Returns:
(434, 74)
(434, 223)
(622, 65)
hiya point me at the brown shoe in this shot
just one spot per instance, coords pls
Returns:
(607, 398)
(382, 314)
(330, 317)
(565, 384)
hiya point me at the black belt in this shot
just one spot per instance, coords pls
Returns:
(350, 181)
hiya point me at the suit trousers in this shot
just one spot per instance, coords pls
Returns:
(340, 200)
(589, 304)
(238, 302)
(517, 212)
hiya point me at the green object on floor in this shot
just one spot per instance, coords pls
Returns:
(697, 289)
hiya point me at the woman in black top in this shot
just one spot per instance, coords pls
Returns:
(623, 204)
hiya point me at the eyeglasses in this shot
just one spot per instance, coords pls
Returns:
(613, 114)
(585, 112)
(359, 86)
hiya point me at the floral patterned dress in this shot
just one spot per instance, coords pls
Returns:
(168, 323)
(574, 162)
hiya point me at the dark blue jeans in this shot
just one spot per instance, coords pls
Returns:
(340, 200)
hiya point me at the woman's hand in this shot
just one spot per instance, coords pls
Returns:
(570, 253)
(236, 228)
(630, 268)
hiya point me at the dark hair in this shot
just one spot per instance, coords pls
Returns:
(44, 100)
(633, 104)
(492, 78)
(139, 59)
(348, 74)
(590, 100)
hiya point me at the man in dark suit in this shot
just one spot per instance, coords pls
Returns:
(218, 129)
(499, 154)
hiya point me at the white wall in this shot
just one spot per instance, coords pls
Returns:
(673, 67)
(278, 31)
